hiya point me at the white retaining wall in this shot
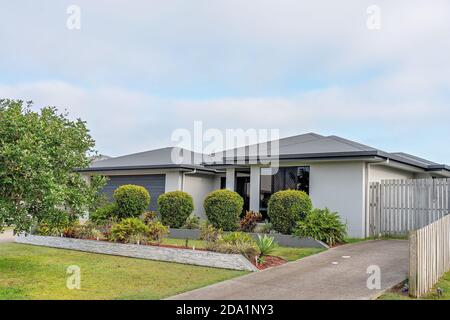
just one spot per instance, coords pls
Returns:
(186, 256)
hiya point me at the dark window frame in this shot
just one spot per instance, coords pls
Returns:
(285, 179)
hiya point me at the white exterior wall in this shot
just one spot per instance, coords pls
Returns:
(198, 186)
(230, 179)
(381, 172)
(340, 186)
(173, 181)
(217, 179)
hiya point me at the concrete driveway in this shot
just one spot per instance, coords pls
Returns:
(339, 273)
(7, 236)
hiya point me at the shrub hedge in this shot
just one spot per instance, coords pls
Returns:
(286, 207)
(223, 208)
(131, 200)
(104, 213)
(323, 225)
(174, 208)
(128, 230)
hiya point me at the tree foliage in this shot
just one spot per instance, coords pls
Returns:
(39, 152)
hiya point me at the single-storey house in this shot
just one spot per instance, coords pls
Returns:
(334, 171)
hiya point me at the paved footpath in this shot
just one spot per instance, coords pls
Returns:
(338, 273)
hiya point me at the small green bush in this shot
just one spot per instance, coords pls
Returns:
(266, 244)
(88, 230)
(208, 233)
(286, 208)
(157, 231)
(149, 216)
(53, 223)
(46, 229)
(263, 228)
(235, 242)
(249, 221)
(247, 249)
(323, 225)
(223, 208)
(127, 230)
(174, 208)
(192, 222)
(235, 237)
(104, 214)
(131, 200)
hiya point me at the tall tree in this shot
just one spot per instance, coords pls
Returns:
(39, 154)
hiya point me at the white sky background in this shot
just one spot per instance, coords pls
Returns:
(138, 70)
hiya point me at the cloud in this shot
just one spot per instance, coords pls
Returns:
(224, 47)
(138, 71)
(124, 121)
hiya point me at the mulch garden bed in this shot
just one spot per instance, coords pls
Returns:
(270, 262)
(174, 246)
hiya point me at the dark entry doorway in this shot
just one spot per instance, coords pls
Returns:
(243, 188)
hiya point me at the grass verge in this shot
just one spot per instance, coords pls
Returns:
(32, 272)
(443, 283)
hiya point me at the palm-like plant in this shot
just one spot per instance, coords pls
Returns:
(266, 244)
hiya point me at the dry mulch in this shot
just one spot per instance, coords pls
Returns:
(174, 246)
(270, 262)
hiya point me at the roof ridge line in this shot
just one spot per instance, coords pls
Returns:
(351, 143)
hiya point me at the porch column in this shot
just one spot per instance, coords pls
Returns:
(230, 178)
(255, 186)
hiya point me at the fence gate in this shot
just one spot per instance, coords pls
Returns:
(399, 206)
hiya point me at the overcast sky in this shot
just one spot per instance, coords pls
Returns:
(138, 70)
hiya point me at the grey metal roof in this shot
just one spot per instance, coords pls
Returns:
(304, 146)
(170, 157)
(314, 146)
(309, 143)
(411, 157)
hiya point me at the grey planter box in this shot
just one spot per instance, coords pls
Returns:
(282, 239)
(193, 234)
(185, 256)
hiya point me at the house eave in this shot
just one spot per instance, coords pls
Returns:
(127, 168)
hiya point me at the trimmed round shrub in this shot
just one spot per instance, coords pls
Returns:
(286, 207)
(223, 208)
(131, 200)
(174, 208)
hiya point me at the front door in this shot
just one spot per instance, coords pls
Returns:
(243, 188)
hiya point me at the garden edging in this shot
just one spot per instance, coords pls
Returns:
(281, 239)
(186, 256)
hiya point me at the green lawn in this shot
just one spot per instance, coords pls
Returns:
(31, 272)
(287, 253)
(386, 237)
(444, 283)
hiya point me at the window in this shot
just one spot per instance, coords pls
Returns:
(296, 178)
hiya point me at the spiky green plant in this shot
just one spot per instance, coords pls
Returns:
(266, 244)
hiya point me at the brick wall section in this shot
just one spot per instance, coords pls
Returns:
(186, 256)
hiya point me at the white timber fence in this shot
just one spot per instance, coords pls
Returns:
(399, 206)
(429, 255)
